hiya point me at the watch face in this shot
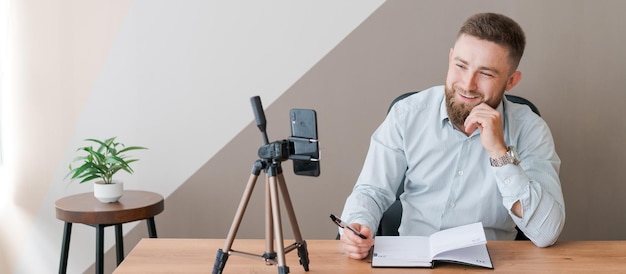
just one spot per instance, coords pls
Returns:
(514, 155)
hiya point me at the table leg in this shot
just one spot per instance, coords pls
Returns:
(119, 243)
(151, 227)
(65, 248)
(99, 249)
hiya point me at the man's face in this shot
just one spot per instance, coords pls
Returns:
(478, 71)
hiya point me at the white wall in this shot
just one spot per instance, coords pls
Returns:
(176, 76)
(169, 75)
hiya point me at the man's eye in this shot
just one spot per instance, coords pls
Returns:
(486, 74)
(461, 66)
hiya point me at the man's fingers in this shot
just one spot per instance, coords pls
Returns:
(356, 252)
(355, 247)
(481, 116)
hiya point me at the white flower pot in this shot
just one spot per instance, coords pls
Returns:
(108, 193)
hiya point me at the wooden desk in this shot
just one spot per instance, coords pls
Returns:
(326, 256)
(84, 208)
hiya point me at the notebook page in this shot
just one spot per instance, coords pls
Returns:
(401, 251)
(457, 237)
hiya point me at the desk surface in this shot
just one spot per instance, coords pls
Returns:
(84, 208)
(325, 256)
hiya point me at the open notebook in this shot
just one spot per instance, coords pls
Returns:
(464, 244)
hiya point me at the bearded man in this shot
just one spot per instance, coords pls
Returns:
(467, 153)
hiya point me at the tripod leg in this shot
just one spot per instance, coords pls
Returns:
(222, 254)
(302, 249)
(220, 261)
(278, 231)
(303, 254)
(289, 208)
(269, 254)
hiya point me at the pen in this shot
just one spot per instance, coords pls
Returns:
(341, 224)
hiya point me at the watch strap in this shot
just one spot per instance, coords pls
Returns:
(509, 158)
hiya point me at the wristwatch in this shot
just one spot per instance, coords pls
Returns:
(510, 157)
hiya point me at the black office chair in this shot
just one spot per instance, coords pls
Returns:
(390, 222)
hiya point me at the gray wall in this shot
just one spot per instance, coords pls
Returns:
(573, 70)
(358, 61)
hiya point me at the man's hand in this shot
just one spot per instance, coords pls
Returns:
(353, 245)
(489, 121)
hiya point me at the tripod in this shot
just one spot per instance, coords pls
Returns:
(271, 156)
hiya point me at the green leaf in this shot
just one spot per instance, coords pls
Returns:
(103, 162)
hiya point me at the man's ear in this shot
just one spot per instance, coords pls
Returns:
(513, 80)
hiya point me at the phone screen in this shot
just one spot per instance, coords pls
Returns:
(304, 126)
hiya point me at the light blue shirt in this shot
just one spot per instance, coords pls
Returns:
(450, 181)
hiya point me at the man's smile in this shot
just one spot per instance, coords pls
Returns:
(467, 96)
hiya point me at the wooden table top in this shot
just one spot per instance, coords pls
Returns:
(325, 256)
(84, 208)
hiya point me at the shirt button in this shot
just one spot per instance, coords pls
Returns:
(452, 205)
(507, 181)
(460, 172)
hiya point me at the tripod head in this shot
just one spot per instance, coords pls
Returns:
(304, 150)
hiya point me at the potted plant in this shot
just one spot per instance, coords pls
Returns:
(100, 164)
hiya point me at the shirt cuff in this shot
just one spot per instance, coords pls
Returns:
(512, 182)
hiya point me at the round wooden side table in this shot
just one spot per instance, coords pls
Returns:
(134, 205)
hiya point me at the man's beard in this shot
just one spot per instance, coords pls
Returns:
(458, 111)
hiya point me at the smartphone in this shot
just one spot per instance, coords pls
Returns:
(304, 138)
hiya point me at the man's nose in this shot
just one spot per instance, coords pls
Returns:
(469, 81)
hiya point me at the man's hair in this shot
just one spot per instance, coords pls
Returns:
(499, 29)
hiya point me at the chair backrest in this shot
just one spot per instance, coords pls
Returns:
(523, 101)
(390, 222)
